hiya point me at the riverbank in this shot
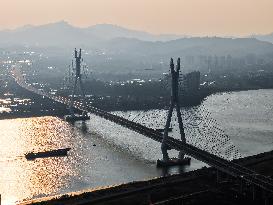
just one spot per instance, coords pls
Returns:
(137, 103)
(15, 115)
(118, 104)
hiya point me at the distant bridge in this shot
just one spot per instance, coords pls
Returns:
(230, 168)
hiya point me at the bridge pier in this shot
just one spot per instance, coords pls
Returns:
(181, 160)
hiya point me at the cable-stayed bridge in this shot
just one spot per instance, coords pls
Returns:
(200, 123)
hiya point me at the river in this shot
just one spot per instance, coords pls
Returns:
(105, 154)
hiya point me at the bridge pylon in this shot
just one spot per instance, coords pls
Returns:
(174, 103)
(77, 84)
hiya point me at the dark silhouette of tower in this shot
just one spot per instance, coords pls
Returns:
(77, 84)
(174, 103)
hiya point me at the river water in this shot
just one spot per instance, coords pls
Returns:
(106, 154)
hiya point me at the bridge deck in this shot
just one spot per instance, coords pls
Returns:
(230, 168)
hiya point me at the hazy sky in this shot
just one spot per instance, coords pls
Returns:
(194, 17)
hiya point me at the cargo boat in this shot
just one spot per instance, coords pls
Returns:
(51, 153)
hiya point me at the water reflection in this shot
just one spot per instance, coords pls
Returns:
(119, 155)
(87, 166)
(22, 179)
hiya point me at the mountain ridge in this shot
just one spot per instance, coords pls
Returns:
(125, 43)
(98, 31)
(121, 31)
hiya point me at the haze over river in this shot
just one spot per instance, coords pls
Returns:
(103, 153)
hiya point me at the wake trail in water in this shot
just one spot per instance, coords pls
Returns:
(9, 159)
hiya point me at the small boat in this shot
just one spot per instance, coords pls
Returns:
(174, 162)
(170, 129)
(51, 153)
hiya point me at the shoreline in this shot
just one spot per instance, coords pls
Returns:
(11, 116)
(61, 114)
(163, 188)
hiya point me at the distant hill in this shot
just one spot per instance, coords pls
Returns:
(55, 34)
(191, 47)
(118, 44)
(268, 37)
(109, 31)
(64, 34)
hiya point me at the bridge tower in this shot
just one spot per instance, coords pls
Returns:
(77, 84)
(174, 103)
